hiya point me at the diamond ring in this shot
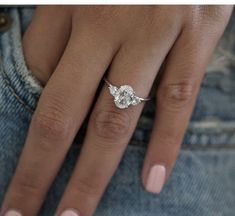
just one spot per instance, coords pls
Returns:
(124, 96)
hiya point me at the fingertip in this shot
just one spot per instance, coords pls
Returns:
(70, 212)
(12, 213)
(155, 179)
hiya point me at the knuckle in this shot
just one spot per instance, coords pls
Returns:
(215, 12)
(26, 184)
(175, 96)
(85, 187)
(51, 124)
(207, 18)
(110, 124)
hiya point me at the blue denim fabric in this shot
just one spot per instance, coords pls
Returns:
(203, 180)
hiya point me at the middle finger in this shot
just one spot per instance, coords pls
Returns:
(110, 128)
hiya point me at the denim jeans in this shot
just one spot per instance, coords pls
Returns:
(203, 179)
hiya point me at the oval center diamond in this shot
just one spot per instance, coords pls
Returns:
(124, 96)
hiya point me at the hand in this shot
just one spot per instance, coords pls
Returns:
(69, 48)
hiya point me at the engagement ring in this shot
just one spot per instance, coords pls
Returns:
(124, 96)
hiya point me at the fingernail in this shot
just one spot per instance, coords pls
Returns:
(13, 213)
(156, 179)
(69, 212)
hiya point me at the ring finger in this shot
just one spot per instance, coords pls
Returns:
(110, 128)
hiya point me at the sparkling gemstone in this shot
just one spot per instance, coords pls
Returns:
(113, 90)
(135, 100)
(124, 96)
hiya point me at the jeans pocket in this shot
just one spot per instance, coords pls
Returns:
(15, 75)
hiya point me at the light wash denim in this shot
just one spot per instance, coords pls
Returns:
(203, 180)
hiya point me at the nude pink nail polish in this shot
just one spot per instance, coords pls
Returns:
(12, 213)
(69, 212)
(156, 179)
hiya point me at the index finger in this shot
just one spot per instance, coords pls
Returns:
(54, 124)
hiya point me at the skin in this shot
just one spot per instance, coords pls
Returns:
(78, 44)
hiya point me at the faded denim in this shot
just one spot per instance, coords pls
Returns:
(203, 180)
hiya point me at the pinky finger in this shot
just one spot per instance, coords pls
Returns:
(176, 97)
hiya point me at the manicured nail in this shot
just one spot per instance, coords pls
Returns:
(156, 179)
(69, 212)
(13, 213)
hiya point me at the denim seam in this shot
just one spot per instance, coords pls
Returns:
(207, 147)
(135, 142)
(6, 79)
(188, 146)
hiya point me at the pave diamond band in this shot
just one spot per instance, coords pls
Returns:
(124, 96)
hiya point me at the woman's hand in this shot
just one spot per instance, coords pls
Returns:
(69, 49)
